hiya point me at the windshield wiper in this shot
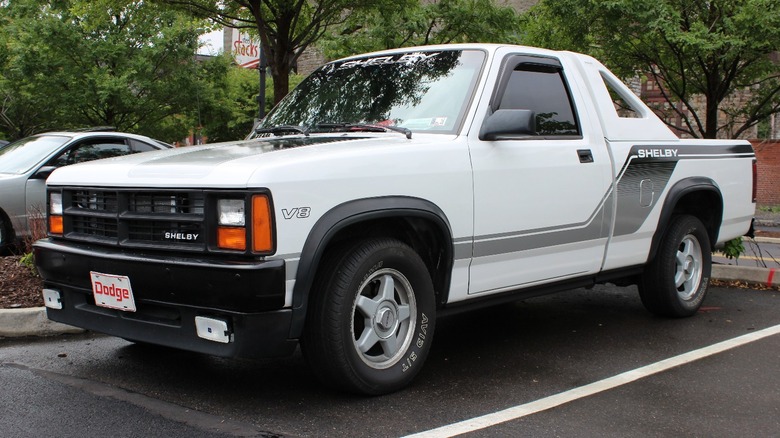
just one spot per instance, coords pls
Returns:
(282, 129)
(363, 127)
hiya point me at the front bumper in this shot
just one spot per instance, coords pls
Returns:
(169, 293)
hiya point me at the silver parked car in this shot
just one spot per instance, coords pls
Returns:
(25, 164)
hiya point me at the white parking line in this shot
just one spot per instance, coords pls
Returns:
(552, 401)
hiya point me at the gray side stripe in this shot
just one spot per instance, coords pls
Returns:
(462, 248)
(590, 229)
(630, 213)
(520, 243)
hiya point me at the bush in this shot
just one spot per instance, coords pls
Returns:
(733, 248)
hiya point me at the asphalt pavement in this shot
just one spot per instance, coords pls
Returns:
(586, 362)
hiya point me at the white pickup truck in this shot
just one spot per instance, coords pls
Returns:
(385, 191)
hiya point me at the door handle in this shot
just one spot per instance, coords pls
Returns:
(586, 156)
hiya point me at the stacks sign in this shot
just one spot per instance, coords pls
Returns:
(245, 49)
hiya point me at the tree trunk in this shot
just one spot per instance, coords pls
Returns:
(281, 85)
(711, 115)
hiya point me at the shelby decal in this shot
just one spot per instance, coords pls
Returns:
(656, 153)
(181, 236)
(408, 58)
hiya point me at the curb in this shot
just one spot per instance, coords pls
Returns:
(763, 276)
(31, 322)
(768, 222)
(761, 239)
(34, 322)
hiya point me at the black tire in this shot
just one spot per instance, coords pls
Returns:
(6, 235)
(371, 317)
(675, 282)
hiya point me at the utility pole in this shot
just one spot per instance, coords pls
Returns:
(261, 68)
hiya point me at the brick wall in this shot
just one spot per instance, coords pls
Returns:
(768, 161)
(310, 60)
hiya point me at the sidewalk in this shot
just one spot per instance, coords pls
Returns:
(33, 321)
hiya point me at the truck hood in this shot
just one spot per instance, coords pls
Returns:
(218, 165)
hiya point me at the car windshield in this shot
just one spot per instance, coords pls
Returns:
(423, 91)
(22, 155)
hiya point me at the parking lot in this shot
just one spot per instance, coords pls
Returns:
(579, 363)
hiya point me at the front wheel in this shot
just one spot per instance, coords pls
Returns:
(676, 280)
(371, 318)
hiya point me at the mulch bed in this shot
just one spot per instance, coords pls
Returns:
(20, 287)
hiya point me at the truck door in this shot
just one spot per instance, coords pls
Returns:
(541, 192)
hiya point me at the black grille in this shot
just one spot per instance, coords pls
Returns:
(95, 226)
(136, 218)
(174, 203)
(95, 200)
(150, 231)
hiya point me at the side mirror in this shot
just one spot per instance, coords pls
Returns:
(43, 172)
(508, 123)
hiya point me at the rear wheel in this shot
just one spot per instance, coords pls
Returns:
(675, 282)
(371, 317)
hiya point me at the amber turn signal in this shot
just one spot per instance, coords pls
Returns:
(231, 238)
(55, 224)
(262, 226)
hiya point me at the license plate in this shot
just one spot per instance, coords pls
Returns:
(112, 291)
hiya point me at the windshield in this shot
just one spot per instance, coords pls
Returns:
(419, 91)
(22, 155)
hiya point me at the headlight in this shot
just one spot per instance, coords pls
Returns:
(55, 203)
(55, 213)
(238, 226)
(231, 212)
(231, 233)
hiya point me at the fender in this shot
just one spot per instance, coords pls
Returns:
(679, 190)
(350, 213)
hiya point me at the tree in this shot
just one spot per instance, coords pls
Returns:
(228, 107)
(714, 50)
(22, 111)
(407, 23)
(285, 27)
(126, 64)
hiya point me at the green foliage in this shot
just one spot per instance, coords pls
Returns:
(28, 261)
(770, 208)
(733, 248)
(709, 48)
(69, 64)
(285, 28)
(227, 109)
(407, 23)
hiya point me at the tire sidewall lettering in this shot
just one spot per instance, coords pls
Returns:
(370, 271)
(413, 359)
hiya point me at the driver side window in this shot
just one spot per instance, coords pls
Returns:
(541, 89)
(92, 149)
